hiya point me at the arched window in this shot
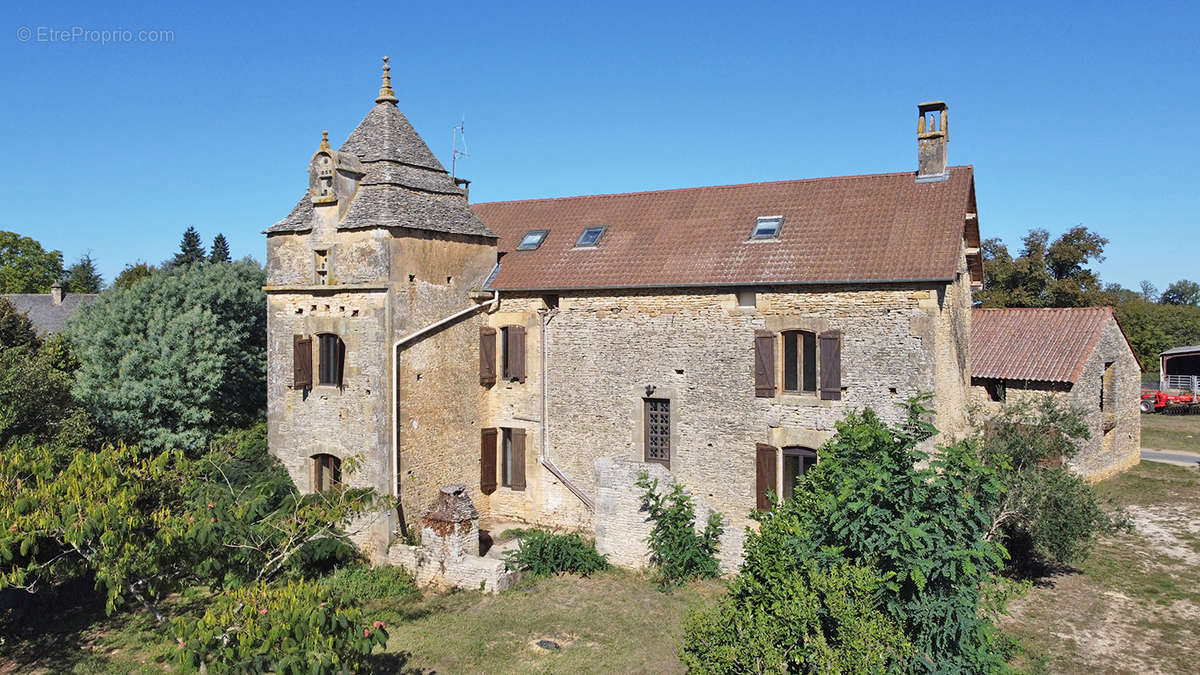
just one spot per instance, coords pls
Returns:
(331, 361)
(797, 461)
(326, 472)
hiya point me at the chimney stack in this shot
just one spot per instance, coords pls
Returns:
(933, 138)
(56, 294)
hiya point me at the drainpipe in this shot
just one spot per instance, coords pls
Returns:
(545, 454)
(396, 374)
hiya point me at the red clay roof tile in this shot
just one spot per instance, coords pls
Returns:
(875, 228)
(1042, 345)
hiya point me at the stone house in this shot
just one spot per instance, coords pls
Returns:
(545, 352)
(1079, 355)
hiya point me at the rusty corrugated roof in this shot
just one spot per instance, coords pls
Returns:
(1043, 345)
(875, 228)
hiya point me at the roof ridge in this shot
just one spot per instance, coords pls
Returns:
(715, 187)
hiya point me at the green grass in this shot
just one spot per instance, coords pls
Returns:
(1180, 432)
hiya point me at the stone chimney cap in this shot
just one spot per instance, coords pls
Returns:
(452, 505)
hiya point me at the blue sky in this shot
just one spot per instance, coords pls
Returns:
(1072, 113)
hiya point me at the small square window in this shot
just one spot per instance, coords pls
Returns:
(767, 227)
(590, 237)
(532, 240)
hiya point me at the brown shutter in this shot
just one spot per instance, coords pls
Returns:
(516, 353)
(764, 364)
(487, 460)
(764, 474)
(831, 365)
(517, 479)
(301, 362)
(487, 356)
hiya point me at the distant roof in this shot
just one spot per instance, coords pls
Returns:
(1043, 345)
(1180, 350)
(404, 185)
(46, 316)
(875, 228)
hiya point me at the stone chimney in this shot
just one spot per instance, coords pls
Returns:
(56, 294)
(933, 139)
(450, 526)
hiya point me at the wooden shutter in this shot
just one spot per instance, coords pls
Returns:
(487, 356)
(764, 474)
(516, 353)
(831, 365)
(301, 362)
(516, 480)
(487, 460)
(764, 364)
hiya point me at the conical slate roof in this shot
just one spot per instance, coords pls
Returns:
(404, 185)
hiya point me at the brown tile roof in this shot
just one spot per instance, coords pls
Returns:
(1043, 345)
(875, 228)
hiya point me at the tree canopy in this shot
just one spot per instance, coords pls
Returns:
(220, 250)
(82, 277)
(191, 249)
(26, 267)
(176, 358)
(1182, 292)
(1045, 273)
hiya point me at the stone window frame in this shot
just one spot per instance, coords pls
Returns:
(335, 350)
(320, 461)
(800, 336)
(816, 325)
(637, 417)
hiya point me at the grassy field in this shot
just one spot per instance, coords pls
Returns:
(1134, 605)
(1172, 432)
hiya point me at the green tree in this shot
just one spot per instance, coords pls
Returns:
(174, 359)
(1048, 512)
(133, 273)
(82, 277)
(191, 249)
(220, 250)
(25, 267)
(1153, 328)
(1045, 274)
(678, 553)
(1182, 292)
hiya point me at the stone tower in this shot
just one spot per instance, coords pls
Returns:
(368, 383)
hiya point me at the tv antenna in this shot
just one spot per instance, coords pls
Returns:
(458, 141)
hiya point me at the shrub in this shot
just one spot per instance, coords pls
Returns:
(678, 553)
(293, 627)
(803, 620)
(1047, 512)
(363, 582)
(543, 553)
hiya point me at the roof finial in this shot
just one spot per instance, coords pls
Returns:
(386, 95)
(324, 140)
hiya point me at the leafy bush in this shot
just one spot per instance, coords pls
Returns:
(176, 359)
(543, 553)
(1047, 512)
(801, 620)
(877, 518)
(289, 628)
(364, 582)
(678, 553)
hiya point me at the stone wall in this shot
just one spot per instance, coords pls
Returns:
(623, 528)
(696, 348)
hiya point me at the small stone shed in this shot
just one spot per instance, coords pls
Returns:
(1079, 354)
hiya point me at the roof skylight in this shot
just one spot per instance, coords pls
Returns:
(767, 227)
(532, 240)
(590, 237)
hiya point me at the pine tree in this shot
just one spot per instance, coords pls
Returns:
(82, 277)
(191, 249)
(220, 250)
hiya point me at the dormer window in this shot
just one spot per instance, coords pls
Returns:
(532, 240)
(590, 237)
(767, 227)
